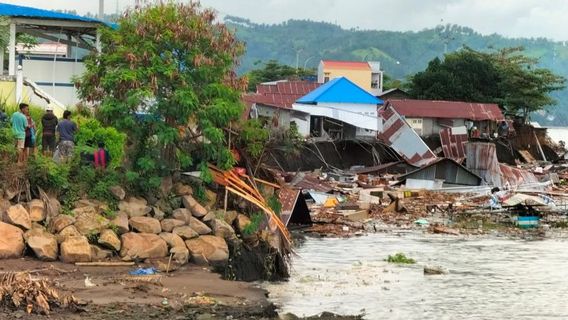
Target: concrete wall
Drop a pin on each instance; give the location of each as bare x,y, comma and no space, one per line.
432,126
283,115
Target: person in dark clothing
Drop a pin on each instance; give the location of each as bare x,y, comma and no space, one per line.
67,130
101,157
49,123
3,118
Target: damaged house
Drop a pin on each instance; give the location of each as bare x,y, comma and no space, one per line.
340,109
428,117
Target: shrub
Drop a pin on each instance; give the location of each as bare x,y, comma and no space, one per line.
91,132
400,258
255,222
45,173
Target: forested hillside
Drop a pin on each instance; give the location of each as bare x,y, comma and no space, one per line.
401,53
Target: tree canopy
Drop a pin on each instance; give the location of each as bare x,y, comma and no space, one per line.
166,77
273,71
506,77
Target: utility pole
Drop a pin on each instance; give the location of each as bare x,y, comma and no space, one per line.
101,9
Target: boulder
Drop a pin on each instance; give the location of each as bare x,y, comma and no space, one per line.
109,239
196,209
90,205
209,216
242,222
166,185
11,193
181,189
18,216
60,222
117,192
173,240
53,208
182,214
69,231
89,222
199,226
11,241
185,232
146,224
211,249
76,249
180,254
210,198
223,229
43,244
230,216
169,224
142,246
37,211
134,207
4,205
121,223
100,254
158,213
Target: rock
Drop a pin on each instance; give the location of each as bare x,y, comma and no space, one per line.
181,189
109,239
196,209
117,192
158,213
182,214
100,254
173,240
54,207
185,232
18,216
199,226
10,193
180,254
89,205
169,224
89,222
242,222
211,249
434,270
209,216
37,211
69,231
43,244
146,224
230,216
142,246
223,229
4,205
134,207
210,198
121,223
60,222
166,185
76,249
11,241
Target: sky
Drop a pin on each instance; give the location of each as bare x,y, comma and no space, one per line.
513,18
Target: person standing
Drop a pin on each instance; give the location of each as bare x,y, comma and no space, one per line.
67,130
30,141
19,126
101,157
49,123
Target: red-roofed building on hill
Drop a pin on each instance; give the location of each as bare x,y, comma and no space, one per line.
428,117
273,102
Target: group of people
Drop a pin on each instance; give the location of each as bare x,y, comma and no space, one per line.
24,130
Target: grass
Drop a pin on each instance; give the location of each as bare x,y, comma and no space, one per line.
400,258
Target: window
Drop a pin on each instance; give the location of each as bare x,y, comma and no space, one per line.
375,84
326,77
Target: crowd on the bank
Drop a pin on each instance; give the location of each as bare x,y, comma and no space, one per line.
24,130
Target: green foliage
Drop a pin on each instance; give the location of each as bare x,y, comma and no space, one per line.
274,204
255,222
506,77
92,132
400,258
174,63
45,173
93,237
7,145
273,71
253,137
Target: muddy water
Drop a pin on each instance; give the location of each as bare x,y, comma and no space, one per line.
488,278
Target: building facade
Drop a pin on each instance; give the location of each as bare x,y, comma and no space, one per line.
367,75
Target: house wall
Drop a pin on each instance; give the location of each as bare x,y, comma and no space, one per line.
302,121
432,126
362,78
283,115
370,110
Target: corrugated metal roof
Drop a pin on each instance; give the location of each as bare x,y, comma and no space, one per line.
339,90
281,94
10,10
398,135
447,109
453,144
445,169
353,65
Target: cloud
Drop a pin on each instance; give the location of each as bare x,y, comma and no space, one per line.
513,18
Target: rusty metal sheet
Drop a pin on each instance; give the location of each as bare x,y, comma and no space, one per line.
308,181
398,135
482,160
453,142
288,198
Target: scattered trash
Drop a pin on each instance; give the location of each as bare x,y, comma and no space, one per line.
89,283
421,222
143,271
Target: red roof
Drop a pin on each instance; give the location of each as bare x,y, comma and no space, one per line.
447,109
280,94
361,65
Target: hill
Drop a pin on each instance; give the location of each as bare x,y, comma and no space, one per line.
401,54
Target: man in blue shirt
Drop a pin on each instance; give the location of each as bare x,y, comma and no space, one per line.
67,130
19,127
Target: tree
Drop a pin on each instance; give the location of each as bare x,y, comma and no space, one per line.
505,77
166,77
273,71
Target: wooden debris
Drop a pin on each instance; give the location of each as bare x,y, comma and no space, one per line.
105,264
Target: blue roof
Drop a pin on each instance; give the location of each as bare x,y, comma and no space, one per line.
340,90
11,10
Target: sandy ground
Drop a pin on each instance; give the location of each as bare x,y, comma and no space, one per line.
191,292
